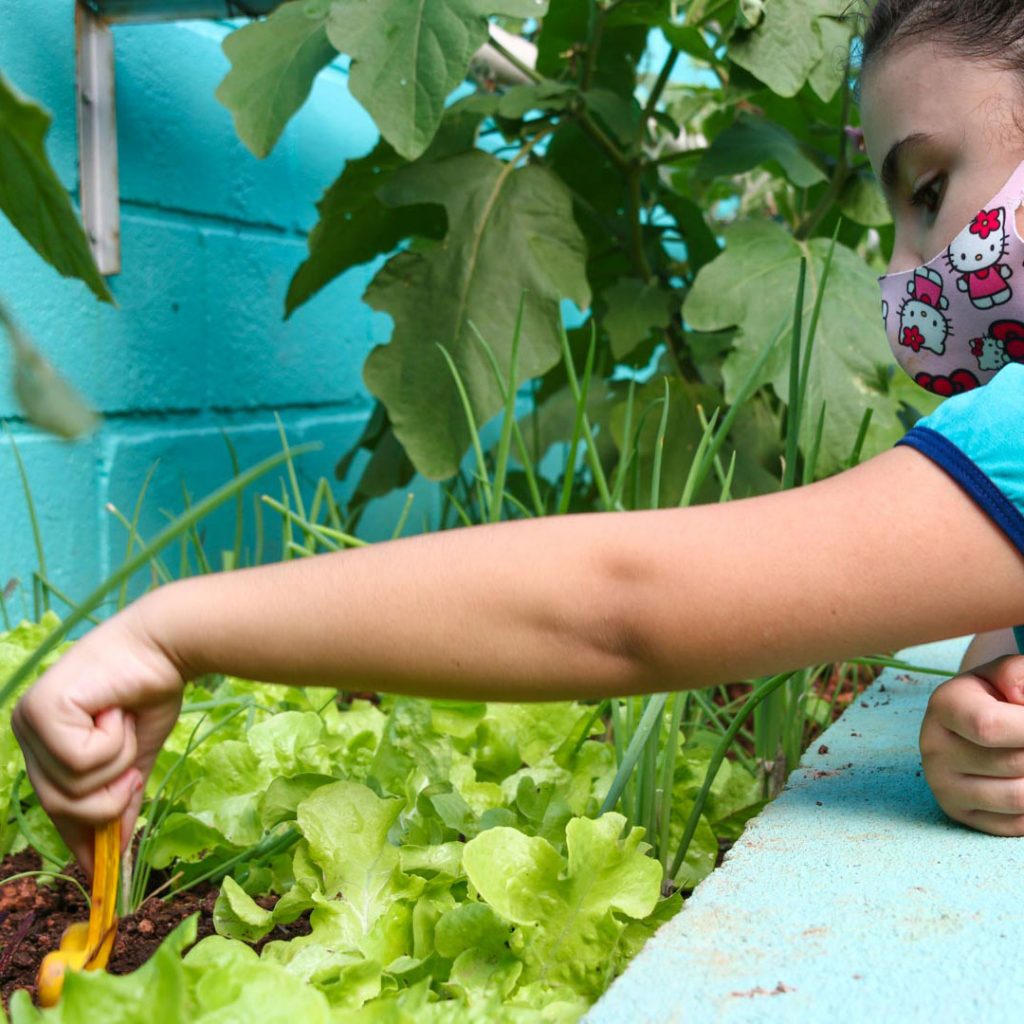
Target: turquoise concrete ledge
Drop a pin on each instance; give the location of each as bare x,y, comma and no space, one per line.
851,898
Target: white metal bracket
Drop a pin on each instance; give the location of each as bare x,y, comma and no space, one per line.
97,138
97,121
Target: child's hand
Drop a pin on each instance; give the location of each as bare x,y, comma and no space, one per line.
93,724
972,746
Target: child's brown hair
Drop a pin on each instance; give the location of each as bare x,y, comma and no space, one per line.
991,30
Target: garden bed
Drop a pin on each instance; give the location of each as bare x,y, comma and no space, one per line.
33,918
367,854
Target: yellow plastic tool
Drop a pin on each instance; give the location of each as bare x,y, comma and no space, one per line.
87,944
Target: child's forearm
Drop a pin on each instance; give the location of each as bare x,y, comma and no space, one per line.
521,611
603,604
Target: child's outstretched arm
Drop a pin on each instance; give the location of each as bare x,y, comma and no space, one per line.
576,606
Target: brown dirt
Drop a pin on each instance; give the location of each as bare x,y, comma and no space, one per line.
33,919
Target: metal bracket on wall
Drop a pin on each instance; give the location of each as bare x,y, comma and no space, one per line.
97,123
97,138
97,119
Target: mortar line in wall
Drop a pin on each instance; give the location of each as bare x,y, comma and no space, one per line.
178,214
219,415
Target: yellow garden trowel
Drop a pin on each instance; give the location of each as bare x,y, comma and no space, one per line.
87,944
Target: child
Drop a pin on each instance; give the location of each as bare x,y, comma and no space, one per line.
922,542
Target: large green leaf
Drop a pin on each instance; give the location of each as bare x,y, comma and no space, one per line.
355,226
635,308
752,286
408,55
510,230
273,64
32,196
794,42
752,141
44,396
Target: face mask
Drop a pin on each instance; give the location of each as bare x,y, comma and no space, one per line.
958,320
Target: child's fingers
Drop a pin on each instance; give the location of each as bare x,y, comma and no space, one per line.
79,785
82,749
995,824
979,794
973,708
1006,675
95,808
965,758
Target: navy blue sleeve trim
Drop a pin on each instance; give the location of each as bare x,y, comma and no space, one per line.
1018,632
972,479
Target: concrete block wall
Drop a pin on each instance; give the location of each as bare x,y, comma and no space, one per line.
197,343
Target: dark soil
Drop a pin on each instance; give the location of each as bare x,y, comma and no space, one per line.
33,919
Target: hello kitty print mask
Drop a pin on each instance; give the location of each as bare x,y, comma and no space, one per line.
958,320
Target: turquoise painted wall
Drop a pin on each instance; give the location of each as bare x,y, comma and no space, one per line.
197,344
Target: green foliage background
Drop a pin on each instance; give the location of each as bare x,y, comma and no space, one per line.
675,215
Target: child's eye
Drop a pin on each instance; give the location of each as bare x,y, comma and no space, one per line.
928,195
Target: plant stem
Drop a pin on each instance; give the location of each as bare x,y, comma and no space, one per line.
659,87
839,177
49,874
764,690
33,518
593,48
639,254
598,135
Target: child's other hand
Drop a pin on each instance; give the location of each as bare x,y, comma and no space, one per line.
92,726
972,746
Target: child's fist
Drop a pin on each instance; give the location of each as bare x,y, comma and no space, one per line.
972,746
93,724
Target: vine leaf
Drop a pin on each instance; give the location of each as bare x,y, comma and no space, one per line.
751,286
45,397
794,42
355,226
273,64
635,308
408,55
510,230
32,196
752,141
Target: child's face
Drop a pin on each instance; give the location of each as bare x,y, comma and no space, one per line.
943,135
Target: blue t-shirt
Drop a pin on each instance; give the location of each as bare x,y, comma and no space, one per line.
978,439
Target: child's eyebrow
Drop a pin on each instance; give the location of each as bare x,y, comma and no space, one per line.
891,163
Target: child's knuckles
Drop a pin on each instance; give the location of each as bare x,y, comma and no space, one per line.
945,700
1014,797
985,725
77,758
1011,764
934,736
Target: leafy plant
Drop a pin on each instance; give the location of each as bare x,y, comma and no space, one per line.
37,204
455,859
578,175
